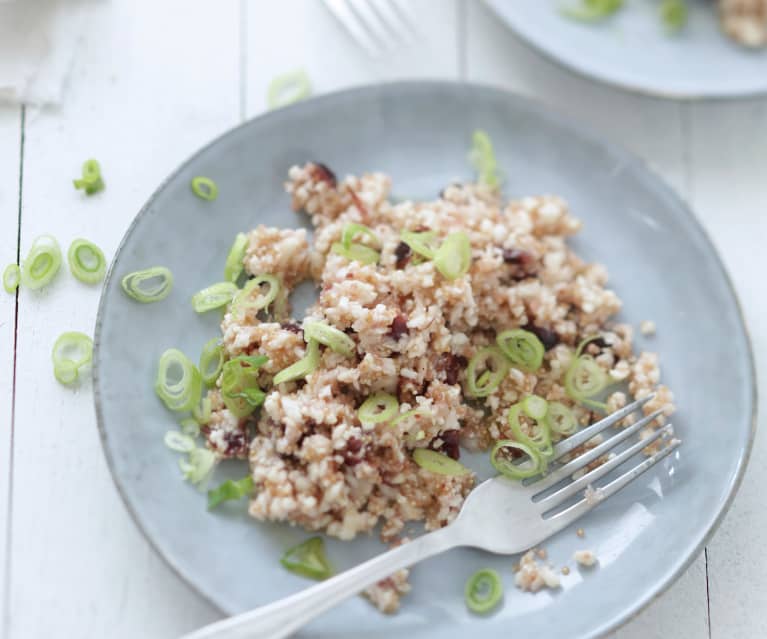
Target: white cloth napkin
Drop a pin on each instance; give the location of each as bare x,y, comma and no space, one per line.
38,44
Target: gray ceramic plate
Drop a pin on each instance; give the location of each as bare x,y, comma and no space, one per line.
632,50
661,263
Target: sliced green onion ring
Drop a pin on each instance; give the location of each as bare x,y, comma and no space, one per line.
379,407
424,243
483,591
540,435
11,278
86,261
239,384
336,340
503,463
234,267
179,442
415,412
356,252
438,463
453,257
308,560
482,157
535,406
204,188
198,466
202,412
246,302
674,14
522,347
178,383
72,351
91,181
42,263
190,427
288,88
585,378
592,10
150,285
211,361
486,371
350,230
303,367
214,296
561,419
230,490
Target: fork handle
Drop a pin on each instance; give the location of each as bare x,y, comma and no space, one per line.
279,619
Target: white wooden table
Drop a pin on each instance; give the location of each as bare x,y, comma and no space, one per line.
156,80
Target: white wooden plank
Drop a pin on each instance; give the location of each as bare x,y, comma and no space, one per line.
728,153
10,137
153,82
303,34
655,130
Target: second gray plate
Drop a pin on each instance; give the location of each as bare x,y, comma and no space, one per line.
661,264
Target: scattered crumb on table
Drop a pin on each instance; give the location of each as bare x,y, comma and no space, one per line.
647,328
585,557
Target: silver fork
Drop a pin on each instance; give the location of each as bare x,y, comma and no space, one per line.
499,515
378,26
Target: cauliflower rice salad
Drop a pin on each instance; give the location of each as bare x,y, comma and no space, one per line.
465,322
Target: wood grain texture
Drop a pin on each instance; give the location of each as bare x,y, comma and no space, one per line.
153,82
10,139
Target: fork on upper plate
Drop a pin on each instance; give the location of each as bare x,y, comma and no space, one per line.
500,515
378,26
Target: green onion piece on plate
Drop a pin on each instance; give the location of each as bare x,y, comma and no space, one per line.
438,463
239,384
303,367
453,257
204,188
560,419
379,407
522,347
538,435
214,296
486,371
592,10
356,253
502,459
178,383
71,352
198,466
148,286
352,230
202,412
234,267
179,441
211,361
86,261
42,263
673,13
252,299
11,278
288,88
335,339
308,560
482,158
535,406
91,181
190,427
585,378
423,243
230,490
483,591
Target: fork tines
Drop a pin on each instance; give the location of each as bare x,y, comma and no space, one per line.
377,26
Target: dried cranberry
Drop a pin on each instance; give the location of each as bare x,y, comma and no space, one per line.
403,254
321,173
517,256
548,338
353,445
450,446
351,454
235,443
399,327
451,365
292,327
358,203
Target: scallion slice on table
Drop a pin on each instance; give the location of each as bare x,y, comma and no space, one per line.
198,465
561,419
11,278
252,298
71,352
438,463
288,88
234,267
379,407
486,371
178,383
453,257
522,347
591,10
86,261
204,188
91,181
673,13
585,378
307,364
214,296
538,435
230,490
335,339
483,591
482,157
308,559
42,263
423,243
211,361
190,427
149,285
239,384
502,459
178,441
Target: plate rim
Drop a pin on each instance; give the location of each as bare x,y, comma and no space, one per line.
623,85
586,133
